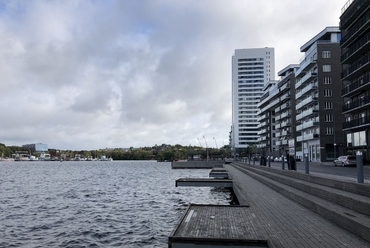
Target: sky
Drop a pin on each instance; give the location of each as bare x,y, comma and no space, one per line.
92,74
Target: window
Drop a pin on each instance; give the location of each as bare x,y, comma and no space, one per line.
328,105
328,118
329,130
326,68
327,80
326,54
328,93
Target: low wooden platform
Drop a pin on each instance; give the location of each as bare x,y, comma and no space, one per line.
219,173
216,226
204,182
194,164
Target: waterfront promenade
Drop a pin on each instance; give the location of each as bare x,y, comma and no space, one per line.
286,223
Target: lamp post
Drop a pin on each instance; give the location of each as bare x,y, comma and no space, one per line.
206,146
215,142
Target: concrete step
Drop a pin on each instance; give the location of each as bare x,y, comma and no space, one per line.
353,221
353,201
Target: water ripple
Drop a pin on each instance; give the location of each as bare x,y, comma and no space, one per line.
95,204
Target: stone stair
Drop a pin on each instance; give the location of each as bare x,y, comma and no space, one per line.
345,203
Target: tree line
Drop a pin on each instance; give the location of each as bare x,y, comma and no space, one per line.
162,152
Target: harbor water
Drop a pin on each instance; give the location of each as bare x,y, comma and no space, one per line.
95,204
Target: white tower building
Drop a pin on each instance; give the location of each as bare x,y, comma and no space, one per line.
251,70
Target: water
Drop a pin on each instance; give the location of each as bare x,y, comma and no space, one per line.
95,204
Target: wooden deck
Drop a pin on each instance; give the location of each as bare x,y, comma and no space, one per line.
204,182
216,226
219,173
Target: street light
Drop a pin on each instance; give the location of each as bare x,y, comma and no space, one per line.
199,143
215,142
206,146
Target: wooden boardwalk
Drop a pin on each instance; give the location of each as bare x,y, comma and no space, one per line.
217,226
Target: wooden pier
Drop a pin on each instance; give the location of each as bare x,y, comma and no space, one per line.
204,182
217,226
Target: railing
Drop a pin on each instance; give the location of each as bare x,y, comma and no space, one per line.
357,46
361,82
355,28
306,89
357,122
356,104
356,65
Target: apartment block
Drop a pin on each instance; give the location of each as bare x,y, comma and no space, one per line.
318,99
252,68
355,60
277,114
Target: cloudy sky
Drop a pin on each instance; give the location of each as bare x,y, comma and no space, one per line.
90,74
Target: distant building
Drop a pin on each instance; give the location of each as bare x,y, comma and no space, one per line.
251,70
38,147
355,58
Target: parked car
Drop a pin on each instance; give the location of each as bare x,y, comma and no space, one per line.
345,160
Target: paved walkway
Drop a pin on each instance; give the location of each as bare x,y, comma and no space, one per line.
285,222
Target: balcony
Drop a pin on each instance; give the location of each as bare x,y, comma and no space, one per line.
311,74
277,126
285,133
356,105
309,136
307,112
356,28
356,68
278,109
284,97
285,124
357,86
277,117
306,101
307,89
285,114
278,134
307,60
306,125
285,106
357,123
285,86
359,47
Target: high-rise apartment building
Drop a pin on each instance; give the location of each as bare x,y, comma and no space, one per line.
355,59
251,70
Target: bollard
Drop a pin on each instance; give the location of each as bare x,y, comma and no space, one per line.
254,161
269,162
360,167
282,163
306,169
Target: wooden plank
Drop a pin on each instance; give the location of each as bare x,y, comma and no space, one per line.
217,225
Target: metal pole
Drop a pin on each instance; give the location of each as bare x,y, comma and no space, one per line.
215,142
360,167
206,146
306,168
282,163
269,161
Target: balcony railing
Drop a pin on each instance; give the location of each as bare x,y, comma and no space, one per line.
356,65
309,136
356,85
307,112
308,124
305,78
363,121
357,46
306,101
362,102
306,89
363,21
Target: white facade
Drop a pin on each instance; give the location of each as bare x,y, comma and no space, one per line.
251,70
